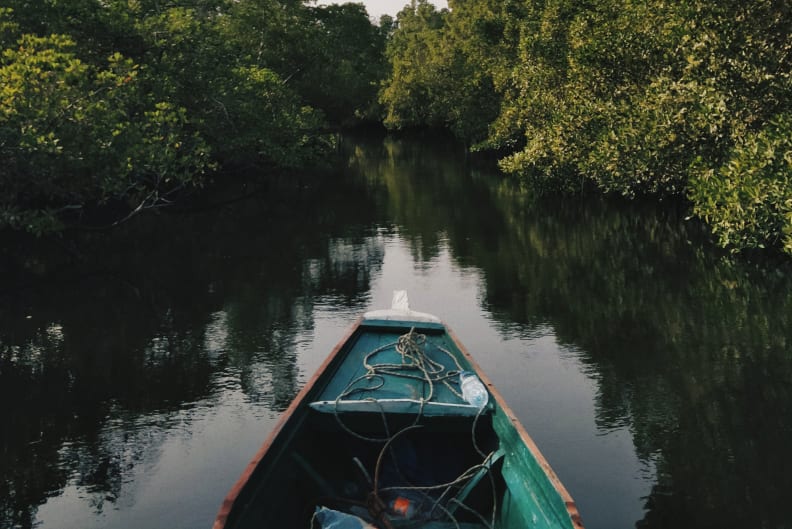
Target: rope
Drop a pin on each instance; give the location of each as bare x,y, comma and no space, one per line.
473,511
415,364
462,479
411,348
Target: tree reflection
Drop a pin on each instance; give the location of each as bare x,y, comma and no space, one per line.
690,348
99,351
428,189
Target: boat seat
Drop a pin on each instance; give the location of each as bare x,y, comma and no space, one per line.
411,524
398,406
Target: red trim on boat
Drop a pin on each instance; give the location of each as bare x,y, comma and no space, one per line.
228,502
230,499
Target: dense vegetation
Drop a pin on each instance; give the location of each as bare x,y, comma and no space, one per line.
688,98
121,104
118,105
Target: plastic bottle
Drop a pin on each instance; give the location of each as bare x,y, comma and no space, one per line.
473,391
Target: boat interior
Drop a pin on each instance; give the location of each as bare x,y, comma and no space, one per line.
385,441
426,475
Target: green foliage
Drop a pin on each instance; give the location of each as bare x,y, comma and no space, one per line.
9,30
267,120
244,111
748,199
630,98
345,65
437,78
125,102
72,134
332,56
407,93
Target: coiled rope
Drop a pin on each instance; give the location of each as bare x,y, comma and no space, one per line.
415,364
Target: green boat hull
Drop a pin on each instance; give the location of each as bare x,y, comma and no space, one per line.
372,429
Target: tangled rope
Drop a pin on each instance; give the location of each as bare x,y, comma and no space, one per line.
417,365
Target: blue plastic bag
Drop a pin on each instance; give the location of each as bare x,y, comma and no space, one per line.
330,519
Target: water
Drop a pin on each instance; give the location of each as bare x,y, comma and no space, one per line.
141,373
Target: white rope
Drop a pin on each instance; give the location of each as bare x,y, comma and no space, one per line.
411,347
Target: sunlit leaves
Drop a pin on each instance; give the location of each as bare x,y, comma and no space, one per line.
748,200
406,93
630,98
127,102
9,30
438,76
72,134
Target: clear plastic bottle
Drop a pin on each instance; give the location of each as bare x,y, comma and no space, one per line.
473,391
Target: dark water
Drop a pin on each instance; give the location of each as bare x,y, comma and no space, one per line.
139,373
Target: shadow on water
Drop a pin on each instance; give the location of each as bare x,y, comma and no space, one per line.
101,348
690,350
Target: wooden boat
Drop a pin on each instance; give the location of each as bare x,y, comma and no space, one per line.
381,435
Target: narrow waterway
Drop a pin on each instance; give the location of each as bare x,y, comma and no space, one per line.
653,371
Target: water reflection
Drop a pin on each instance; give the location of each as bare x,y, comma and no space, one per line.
98,359
654,372
690,349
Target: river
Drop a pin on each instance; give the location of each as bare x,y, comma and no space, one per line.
139,374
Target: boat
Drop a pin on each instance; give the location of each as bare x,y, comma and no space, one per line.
382,436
